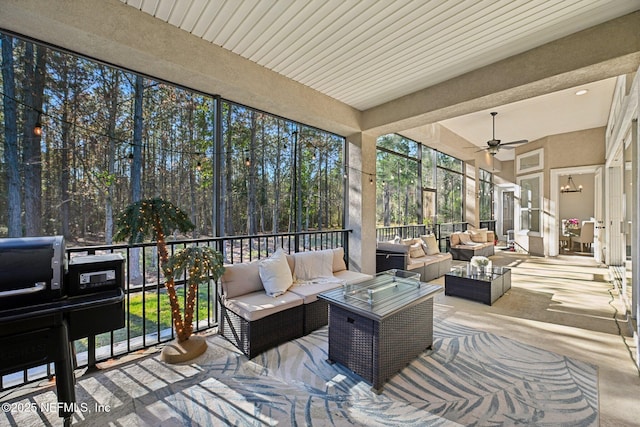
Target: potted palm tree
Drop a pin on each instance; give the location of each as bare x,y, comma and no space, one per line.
156,218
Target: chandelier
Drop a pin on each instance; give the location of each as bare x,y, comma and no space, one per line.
571,187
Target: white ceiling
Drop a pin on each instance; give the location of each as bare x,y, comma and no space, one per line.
535,118
365,53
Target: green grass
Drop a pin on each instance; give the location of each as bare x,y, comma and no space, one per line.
153,301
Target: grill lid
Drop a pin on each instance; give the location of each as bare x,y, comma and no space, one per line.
32,262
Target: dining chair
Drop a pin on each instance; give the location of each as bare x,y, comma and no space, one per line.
586,236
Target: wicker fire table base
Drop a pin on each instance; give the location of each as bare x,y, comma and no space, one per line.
376,350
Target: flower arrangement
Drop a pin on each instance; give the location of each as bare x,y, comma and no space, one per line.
573,223
480,261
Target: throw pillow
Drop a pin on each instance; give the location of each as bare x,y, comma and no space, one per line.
431,244
408,242
275,274
479,235
313,264
416,251
464,238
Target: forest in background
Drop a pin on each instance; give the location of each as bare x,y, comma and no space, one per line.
109,137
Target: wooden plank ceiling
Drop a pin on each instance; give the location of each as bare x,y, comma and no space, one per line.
368,52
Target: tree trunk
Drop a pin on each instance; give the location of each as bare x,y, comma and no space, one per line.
64,155
182,332
276,184
251,190
14,199
227,181
34,80
386,205
135,275
112,104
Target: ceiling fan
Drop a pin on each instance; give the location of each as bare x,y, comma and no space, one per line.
494,144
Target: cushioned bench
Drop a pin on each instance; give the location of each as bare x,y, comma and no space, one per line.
268,302
474,242
421,255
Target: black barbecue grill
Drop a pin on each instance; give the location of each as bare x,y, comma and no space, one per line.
46,303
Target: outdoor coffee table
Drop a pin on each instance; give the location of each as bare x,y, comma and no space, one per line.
468,282
378,326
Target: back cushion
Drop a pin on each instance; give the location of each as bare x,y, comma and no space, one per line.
338,260
464,238
313,264
431,244
478,235
416,251
455,239
241,279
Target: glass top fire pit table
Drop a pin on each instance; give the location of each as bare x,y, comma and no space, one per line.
378,326
482,286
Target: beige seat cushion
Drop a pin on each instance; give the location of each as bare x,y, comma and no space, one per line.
431,259
309,291
351,277
257,305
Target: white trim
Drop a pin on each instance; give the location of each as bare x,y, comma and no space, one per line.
540,177
554,194
530,154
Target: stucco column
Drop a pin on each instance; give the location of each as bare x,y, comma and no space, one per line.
361,202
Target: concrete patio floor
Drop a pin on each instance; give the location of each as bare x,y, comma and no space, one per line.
568,305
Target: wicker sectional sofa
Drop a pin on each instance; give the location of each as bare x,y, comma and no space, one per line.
420,255
254,321
473,242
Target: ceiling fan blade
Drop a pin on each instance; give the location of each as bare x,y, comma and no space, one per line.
522,141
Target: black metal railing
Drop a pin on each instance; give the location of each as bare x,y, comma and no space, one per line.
403,231
489,224
147,314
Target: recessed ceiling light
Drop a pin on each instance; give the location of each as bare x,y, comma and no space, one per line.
581,92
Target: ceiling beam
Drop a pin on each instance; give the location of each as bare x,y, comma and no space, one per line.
606,50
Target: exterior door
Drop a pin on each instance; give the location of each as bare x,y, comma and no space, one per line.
508,211
598,232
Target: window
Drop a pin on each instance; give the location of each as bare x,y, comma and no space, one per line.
530,202
398,182
108,133
417,184
449,178
485,195
530,161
